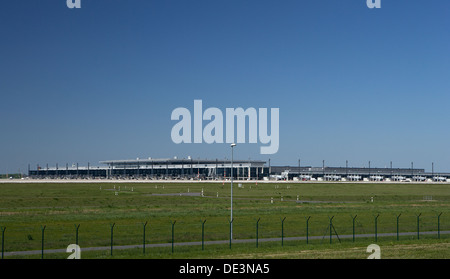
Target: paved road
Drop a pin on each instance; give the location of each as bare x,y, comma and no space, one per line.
326,237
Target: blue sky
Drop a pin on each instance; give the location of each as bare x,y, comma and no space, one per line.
100,82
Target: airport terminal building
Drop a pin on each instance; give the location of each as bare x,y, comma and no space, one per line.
210,169
220,169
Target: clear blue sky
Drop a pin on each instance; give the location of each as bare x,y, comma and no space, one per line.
100,82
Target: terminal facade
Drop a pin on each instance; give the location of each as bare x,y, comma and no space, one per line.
220,169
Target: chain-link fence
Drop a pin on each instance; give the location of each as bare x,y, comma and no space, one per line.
40,239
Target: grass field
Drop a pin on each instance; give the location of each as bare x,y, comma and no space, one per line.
25,208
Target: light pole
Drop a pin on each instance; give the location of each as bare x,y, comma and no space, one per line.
231,220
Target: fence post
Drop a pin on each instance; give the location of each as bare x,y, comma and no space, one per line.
439,226
112,232
230,221
203,234
376,221
331,225
173,225
257,223
354,227
3,240
307,228
418,237
397,225
76,233
143,237
42,247
282,231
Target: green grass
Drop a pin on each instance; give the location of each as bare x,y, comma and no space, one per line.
25,208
